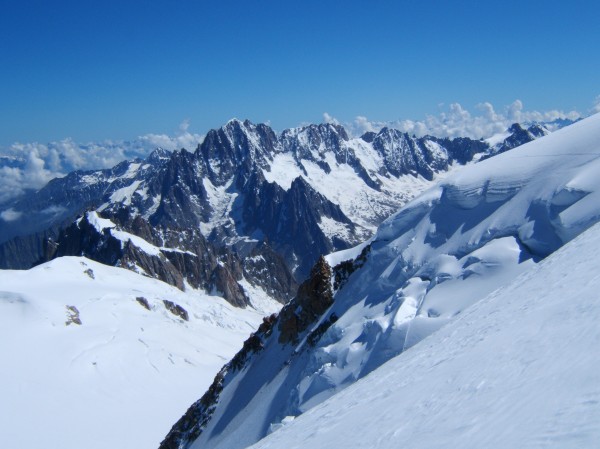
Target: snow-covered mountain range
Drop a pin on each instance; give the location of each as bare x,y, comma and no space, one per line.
106,356
254,201
445,250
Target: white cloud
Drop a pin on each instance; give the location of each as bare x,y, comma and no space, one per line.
54,210
329,119
513,111
183,139
596,107
183,126
456,121
10,215
34,164
363,125
10,183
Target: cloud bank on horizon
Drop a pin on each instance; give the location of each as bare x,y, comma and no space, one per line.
457,121
25,166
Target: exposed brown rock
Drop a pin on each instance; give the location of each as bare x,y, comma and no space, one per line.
176,309
143,302
72,316
314,297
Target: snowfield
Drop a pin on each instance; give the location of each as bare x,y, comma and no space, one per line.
121,377
519,369
363,204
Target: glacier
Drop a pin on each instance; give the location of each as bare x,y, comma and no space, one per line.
518,369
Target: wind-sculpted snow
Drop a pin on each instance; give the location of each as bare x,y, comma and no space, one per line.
450,247
518,369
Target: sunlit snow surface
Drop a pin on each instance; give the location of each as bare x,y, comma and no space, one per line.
363,204
122,377
520,369
461,240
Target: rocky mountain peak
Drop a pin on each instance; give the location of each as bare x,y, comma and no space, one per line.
519,135
237,145
314,297
406,155
537,130
369,136
516,128
158,156
312,142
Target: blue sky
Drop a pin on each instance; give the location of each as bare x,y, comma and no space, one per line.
93,70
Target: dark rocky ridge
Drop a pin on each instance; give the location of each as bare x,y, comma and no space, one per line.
518,136
185,255
312,300
191,424
314,297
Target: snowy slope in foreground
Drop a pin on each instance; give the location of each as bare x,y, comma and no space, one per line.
518,369
119,379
